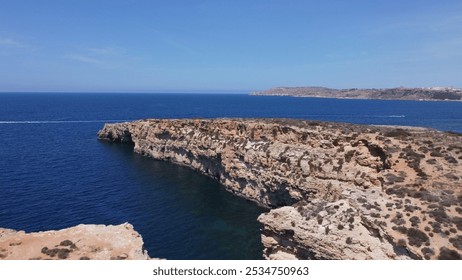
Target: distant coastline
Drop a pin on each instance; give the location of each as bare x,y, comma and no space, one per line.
401,93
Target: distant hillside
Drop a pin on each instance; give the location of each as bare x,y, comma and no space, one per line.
433,93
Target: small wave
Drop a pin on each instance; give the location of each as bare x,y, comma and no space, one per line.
51,122
386,116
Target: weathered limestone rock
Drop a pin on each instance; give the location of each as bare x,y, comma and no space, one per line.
321,230
95,242
400,187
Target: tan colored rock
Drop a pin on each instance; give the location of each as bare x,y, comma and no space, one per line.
322,230
404,185
95,242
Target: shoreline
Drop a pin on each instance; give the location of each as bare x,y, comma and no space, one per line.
357,98
401,93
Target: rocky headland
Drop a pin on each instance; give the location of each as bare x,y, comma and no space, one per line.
333,190
82,242
401,93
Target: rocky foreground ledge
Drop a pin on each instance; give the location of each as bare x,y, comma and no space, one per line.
336,191
84,242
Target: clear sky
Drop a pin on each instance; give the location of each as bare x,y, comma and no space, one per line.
234,45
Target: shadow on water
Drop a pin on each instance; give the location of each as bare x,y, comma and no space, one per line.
182,214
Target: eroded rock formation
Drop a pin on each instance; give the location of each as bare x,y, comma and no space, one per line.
336,191
84,242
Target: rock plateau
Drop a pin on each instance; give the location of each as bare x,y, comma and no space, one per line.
84,242
335,191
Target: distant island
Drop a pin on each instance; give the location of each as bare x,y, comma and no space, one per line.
401,93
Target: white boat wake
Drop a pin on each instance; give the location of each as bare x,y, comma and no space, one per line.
51,122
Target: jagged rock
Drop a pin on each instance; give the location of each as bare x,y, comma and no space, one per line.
403,185
95,242
323,230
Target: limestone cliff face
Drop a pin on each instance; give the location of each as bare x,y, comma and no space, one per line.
95,242
337,191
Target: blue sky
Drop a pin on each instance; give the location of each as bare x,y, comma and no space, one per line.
213,45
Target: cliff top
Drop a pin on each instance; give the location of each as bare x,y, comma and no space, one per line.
84,242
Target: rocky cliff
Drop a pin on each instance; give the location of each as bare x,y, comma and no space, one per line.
84,242
336,191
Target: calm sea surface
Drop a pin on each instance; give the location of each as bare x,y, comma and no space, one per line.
54,173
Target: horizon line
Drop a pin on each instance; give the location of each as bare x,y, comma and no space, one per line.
138,92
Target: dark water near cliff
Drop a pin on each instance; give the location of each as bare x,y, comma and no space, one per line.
54,173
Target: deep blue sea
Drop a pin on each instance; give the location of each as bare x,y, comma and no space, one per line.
54,173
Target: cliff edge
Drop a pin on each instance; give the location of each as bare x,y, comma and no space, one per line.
336,191
84,242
